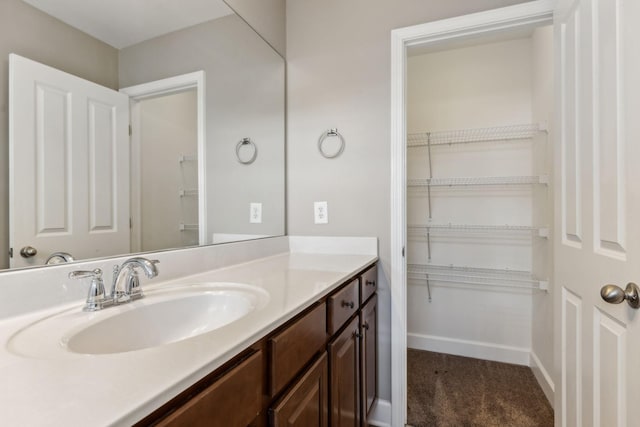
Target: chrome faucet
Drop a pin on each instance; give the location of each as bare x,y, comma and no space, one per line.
59,257
96,298
120,293
128,289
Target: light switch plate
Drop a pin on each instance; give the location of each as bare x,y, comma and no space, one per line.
320,213
255,213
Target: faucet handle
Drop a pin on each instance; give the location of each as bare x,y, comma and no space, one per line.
81,274
96,295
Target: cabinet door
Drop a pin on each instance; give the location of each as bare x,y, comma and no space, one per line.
344,373
305,405
232,401
369,357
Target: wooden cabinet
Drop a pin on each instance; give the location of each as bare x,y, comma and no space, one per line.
232,400
369,356
293,348
344,377
306,404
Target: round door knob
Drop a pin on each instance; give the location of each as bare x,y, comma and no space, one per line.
615,295
28,251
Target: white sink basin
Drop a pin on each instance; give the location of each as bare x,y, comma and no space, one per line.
163,316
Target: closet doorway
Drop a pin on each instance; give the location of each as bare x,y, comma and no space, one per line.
159,133
479,216
167,171
447,151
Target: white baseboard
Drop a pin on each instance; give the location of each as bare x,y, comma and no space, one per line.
475,349
381,415
543,377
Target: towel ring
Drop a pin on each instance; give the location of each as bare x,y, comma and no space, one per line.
330,132
249,142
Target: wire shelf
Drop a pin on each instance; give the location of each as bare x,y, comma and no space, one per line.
187,158
185,193
476,228
465,136
479,180
186,227
476,276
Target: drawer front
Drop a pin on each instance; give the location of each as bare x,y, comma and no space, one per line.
233,400
342,305
294,347
369,283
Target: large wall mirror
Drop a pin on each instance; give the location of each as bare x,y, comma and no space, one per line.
129,129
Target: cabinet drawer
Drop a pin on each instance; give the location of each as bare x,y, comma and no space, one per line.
233,400
294,347
342,305
369,283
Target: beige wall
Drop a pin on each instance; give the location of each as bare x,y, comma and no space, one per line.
338,67
267,17
30,33
245,98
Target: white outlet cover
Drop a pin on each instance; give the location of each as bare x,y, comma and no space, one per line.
255,213
320,213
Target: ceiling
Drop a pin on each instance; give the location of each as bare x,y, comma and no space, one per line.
122,23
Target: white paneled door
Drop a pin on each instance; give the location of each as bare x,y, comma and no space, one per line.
597,181
69,165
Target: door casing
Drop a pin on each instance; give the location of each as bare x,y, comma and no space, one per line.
168,86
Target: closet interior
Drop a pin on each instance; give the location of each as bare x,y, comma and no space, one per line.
479,199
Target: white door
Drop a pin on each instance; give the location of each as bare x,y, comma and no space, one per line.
69,165
597,241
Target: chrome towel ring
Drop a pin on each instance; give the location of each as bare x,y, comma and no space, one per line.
251,144
330,133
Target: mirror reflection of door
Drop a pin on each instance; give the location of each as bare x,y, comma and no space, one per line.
168,172
69,165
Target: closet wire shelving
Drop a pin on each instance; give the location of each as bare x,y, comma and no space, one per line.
466,136
187,192
477,276
473,275
478,180
423,229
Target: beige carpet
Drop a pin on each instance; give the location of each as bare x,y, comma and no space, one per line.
453,391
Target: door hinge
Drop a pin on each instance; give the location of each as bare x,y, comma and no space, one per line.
10,252
130,223
130,130
403,252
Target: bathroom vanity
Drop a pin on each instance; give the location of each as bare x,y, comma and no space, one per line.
318,366
302,353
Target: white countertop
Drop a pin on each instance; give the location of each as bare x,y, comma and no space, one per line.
122,388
